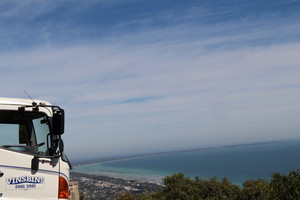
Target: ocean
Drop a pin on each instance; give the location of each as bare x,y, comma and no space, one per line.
238,163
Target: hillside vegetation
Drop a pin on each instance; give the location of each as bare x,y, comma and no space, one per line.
180,187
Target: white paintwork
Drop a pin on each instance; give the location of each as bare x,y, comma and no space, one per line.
18,180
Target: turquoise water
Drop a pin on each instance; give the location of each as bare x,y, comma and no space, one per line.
239,163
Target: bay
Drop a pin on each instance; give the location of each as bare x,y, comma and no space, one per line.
238,163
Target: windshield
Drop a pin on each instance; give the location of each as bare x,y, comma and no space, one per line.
25,131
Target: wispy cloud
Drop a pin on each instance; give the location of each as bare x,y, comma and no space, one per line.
198,82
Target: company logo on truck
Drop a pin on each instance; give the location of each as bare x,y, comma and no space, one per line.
25,182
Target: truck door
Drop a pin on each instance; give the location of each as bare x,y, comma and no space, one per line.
27,169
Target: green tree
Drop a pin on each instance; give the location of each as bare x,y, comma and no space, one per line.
130,196
255,190
180,187
127,196
285,187
215,189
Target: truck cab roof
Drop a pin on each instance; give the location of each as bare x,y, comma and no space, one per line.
19,101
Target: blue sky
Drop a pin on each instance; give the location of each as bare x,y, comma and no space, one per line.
138,76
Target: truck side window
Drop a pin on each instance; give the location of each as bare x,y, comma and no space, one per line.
12,139
42,134
9,134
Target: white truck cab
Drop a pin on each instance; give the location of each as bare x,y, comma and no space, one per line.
32,160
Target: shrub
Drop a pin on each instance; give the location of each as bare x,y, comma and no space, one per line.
285,187
255,190
180,187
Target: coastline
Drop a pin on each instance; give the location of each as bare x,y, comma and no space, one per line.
137,175
121,158
236,162
103,177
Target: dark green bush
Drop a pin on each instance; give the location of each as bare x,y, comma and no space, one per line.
255,190
285,187
180,187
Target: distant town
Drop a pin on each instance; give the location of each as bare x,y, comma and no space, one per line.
94,187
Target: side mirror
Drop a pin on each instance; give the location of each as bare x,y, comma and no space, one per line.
58,122
23,134
35,164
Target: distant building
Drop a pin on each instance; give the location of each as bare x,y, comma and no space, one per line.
74,191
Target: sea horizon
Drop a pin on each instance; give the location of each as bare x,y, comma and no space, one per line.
82,161
220,161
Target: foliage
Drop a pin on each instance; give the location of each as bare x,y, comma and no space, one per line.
130,196
81,197
286,187
255,190
180,187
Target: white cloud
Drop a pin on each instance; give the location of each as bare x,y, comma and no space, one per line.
180,82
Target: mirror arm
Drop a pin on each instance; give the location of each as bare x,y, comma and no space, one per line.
35,161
